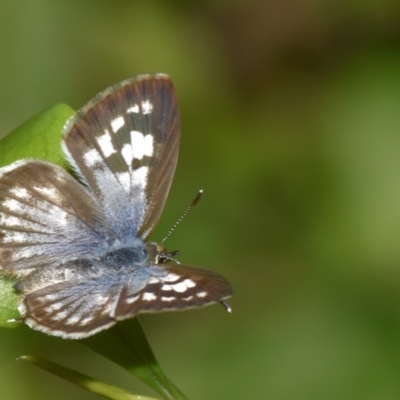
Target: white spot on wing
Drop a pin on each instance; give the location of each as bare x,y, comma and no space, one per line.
147,107
168,299
189,283
22,309
126,152
134,109
48,297
171,278
179,287
12,205
49,192
85,321
54,307
21,193
105,143
72,320
92,157
149,296
131,300
16,237
202,294
60,316
117,124
9,220
142,145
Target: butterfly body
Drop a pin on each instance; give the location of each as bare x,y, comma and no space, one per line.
80,250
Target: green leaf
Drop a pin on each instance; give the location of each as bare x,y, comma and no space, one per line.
126,344
8,303
84,381
39,137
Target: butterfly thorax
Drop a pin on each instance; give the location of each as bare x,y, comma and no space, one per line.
136,254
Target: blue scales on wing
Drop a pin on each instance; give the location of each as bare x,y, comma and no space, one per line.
46,216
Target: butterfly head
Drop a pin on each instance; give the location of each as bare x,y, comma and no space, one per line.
158,254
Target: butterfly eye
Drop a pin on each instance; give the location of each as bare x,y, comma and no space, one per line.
166,256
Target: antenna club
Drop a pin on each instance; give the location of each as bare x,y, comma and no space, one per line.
197,198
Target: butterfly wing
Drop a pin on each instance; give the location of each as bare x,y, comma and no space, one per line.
173,287
124,145
46,216
61,310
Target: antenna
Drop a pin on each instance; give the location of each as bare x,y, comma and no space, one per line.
194,202
226,306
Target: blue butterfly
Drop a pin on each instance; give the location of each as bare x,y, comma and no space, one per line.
80,250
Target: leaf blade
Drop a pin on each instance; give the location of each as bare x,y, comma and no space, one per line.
40,137
84,381
126,345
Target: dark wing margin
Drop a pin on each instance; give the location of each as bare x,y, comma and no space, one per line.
46,216
124,145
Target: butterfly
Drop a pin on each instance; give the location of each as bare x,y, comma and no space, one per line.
80,249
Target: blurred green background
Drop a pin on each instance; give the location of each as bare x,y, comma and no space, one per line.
291,124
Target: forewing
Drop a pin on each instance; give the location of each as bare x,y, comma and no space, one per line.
45,216
124,145
60,309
